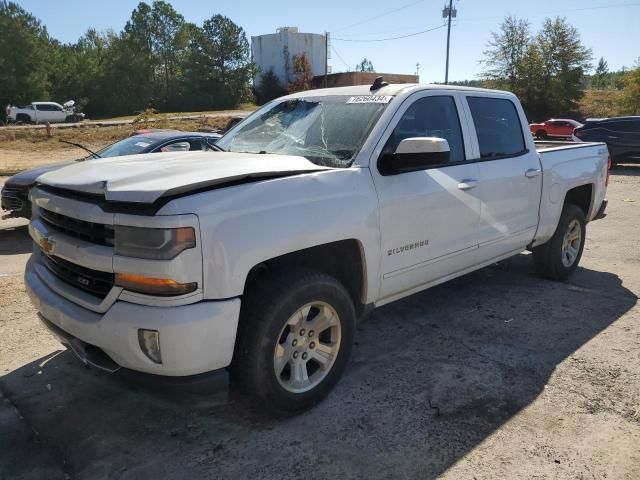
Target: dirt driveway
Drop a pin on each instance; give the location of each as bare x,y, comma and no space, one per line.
498,374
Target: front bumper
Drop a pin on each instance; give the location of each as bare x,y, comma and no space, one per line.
194,338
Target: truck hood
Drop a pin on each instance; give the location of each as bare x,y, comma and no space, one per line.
146,178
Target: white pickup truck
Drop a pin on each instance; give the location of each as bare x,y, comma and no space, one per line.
43,112
318,207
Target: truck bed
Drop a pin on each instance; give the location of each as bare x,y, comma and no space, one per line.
544,145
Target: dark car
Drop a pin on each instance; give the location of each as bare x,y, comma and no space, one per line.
15,193
621,134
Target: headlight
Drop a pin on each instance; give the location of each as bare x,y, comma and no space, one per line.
153,243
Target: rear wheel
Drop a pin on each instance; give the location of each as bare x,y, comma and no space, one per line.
541,135
23,118
559,257
295,341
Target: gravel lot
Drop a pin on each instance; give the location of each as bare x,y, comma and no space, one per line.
498,374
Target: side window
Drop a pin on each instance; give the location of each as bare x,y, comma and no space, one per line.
629,126
497,126
42,108
197,144
430,117
177,146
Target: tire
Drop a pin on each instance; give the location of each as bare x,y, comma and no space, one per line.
23,118
541,135
559,257
269,352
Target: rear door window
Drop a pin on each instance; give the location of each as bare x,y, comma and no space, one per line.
498,127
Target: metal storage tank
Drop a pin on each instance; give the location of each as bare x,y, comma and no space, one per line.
276,51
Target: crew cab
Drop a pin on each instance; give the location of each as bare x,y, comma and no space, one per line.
43,112
319,207
554,127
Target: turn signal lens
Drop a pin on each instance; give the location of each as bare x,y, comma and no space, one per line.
153,286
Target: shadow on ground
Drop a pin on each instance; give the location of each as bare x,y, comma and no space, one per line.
15,240
431,377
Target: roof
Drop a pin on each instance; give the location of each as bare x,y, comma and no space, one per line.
391,89
171,134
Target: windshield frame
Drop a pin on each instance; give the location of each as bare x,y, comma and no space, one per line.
339,99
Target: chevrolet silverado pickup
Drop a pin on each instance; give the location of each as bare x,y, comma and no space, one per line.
320,206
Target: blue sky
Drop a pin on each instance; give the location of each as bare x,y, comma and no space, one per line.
610,28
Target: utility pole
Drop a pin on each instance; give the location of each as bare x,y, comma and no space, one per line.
447,13
418,70
326,57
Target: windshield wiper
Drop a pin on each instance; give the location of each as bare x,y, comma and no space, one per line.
95,155
213,146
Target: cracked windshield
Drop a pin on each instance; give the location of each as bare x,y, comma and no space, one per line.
328,131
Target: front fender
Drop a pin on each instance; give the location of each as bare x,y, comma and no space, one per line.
245,225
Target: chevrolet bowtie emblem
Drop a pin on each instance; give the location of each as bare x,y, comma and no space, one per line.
46,245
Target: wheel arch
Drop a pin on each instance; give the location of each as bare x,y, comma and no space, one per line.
581,196
344,260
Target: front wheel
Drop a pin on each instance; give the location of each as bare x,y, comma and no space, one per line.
295,340
559,257
541,135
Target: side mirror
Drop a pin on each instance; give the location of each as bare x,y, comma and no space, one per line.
413,154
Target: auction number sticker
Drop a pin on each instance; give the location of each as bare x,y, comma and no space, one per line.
370,99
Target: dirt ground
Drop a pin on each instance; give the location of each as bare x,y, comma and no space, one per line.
496,375
23,148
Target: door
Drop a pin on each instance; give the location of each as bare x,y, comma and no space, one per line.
510,177
46,112
564,129
428,218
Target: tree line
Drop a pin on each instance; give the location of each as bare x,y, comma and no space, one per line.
158,61
549,71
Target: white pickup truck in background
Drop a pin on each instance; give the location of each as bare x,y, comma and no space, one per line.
318,207
43,112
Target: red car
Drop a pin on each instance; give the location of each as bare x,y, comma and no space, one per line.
555,127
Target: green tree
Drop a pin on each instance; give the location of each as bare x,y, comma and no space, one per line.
506,54
169,36
599,80
220,55
565,62
365,66
630,100
269,87
547,71
24,56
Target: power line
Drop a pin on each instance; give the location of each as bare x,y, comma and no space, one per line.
551,12
390,38
379,16
340,57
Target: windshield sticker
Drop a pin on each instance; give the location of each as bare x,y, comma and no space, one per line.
370,99
142,144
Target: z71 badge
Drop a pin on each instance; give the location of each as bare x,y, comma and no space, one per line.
407,248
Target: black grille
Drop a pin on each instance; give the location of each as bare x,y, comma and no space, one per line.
11,198
89,231
92,281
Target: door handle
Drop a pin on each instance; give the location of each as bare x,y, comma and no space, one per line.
467,184
532,173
